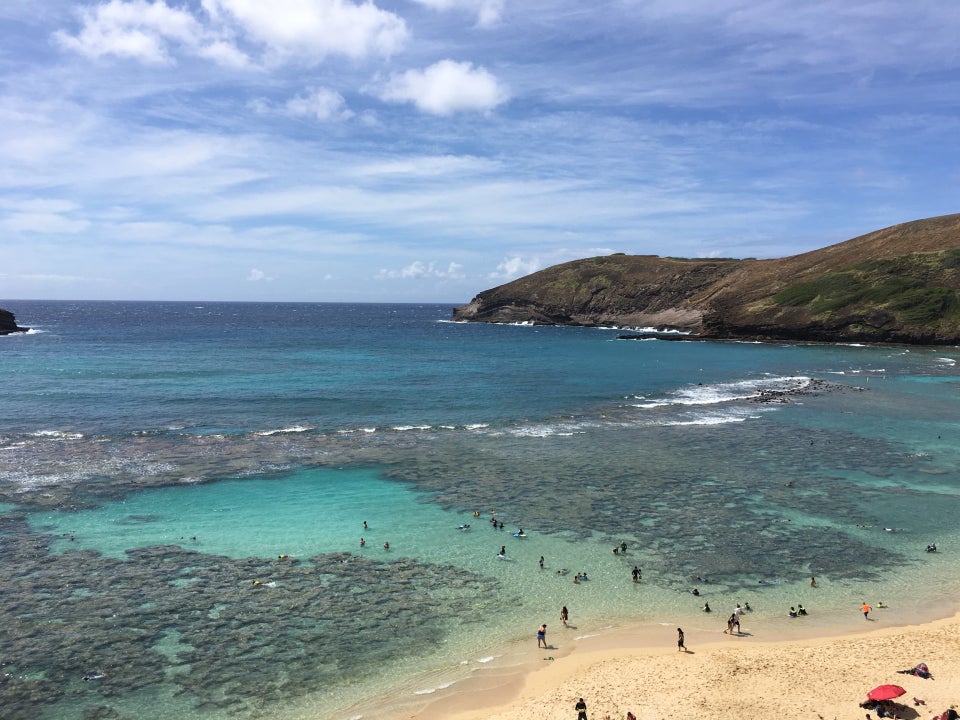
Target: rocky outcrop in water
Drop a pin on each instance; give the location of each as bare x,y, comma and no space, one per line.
900,284
8,323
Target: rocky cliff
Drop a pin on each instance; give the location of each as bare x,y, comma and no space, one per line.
8,323
899,284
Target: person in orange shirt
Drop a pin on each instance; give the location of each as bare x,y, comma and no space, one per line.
866,611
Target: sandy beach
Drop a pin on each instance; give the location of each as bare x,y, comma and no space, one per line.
738,677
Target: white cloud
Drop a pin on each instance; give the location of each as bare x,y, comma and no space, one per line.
39,222
446,87
488,12
225,54
320,103
514,267
303,30
137,29
258,276
310,30
418,269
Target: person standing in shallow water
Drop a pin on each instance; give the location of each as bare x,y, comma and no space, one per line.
564,615
866,611
542,636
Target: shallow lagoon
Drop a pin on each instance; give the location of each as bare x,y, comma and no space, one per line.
740,463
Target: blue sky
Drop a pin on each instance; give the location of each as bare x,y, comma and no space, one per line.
425,150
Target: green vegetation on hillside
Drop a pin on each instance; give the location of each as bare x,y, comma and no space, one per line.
915,288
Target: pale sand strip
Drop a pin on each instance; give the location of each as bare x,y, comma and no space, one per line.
823,677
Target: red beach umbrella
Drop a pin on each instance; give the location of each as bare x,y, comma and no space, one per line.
886,692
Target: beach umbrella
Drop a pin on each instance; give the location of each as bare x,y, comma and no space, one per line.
886,692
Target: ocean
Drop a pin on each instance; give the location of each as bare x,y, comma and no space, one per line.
184,488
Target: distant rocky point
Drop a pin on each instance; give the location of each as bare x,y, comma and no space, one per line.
8,323
897,285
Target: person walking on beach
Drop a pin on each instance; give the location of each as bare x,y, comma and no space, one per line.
581,708
866,611
542,636
564,615
680,646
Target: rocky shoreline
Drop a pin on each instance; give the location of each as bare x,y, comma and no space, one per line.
8,323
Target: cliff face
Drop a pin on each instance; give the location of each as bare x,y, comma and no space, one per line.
8,323
900,284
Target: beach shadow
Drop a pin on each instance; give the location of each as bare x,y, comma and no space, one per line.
744,634
568,626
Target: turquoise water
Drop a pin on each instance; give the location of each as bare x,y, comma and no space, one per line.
183,489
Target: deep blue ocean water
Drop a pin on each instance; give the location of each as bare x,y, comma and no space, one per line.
184,487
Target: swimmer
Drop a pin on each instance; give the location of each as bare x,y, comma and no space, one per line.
706,607
91,676
562,571
386,546
695,591
282,557
362,542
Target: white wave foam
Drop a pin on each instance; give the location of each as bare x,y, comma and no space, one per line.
430,691
658,331
281,431
709,419
477,426
727,392
946,361
61,434
563,429
407,428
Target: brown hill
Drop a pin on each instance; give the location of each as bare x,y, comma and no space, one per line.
899,284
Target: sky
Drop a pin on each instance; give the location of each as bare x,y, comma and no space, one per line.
426,150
